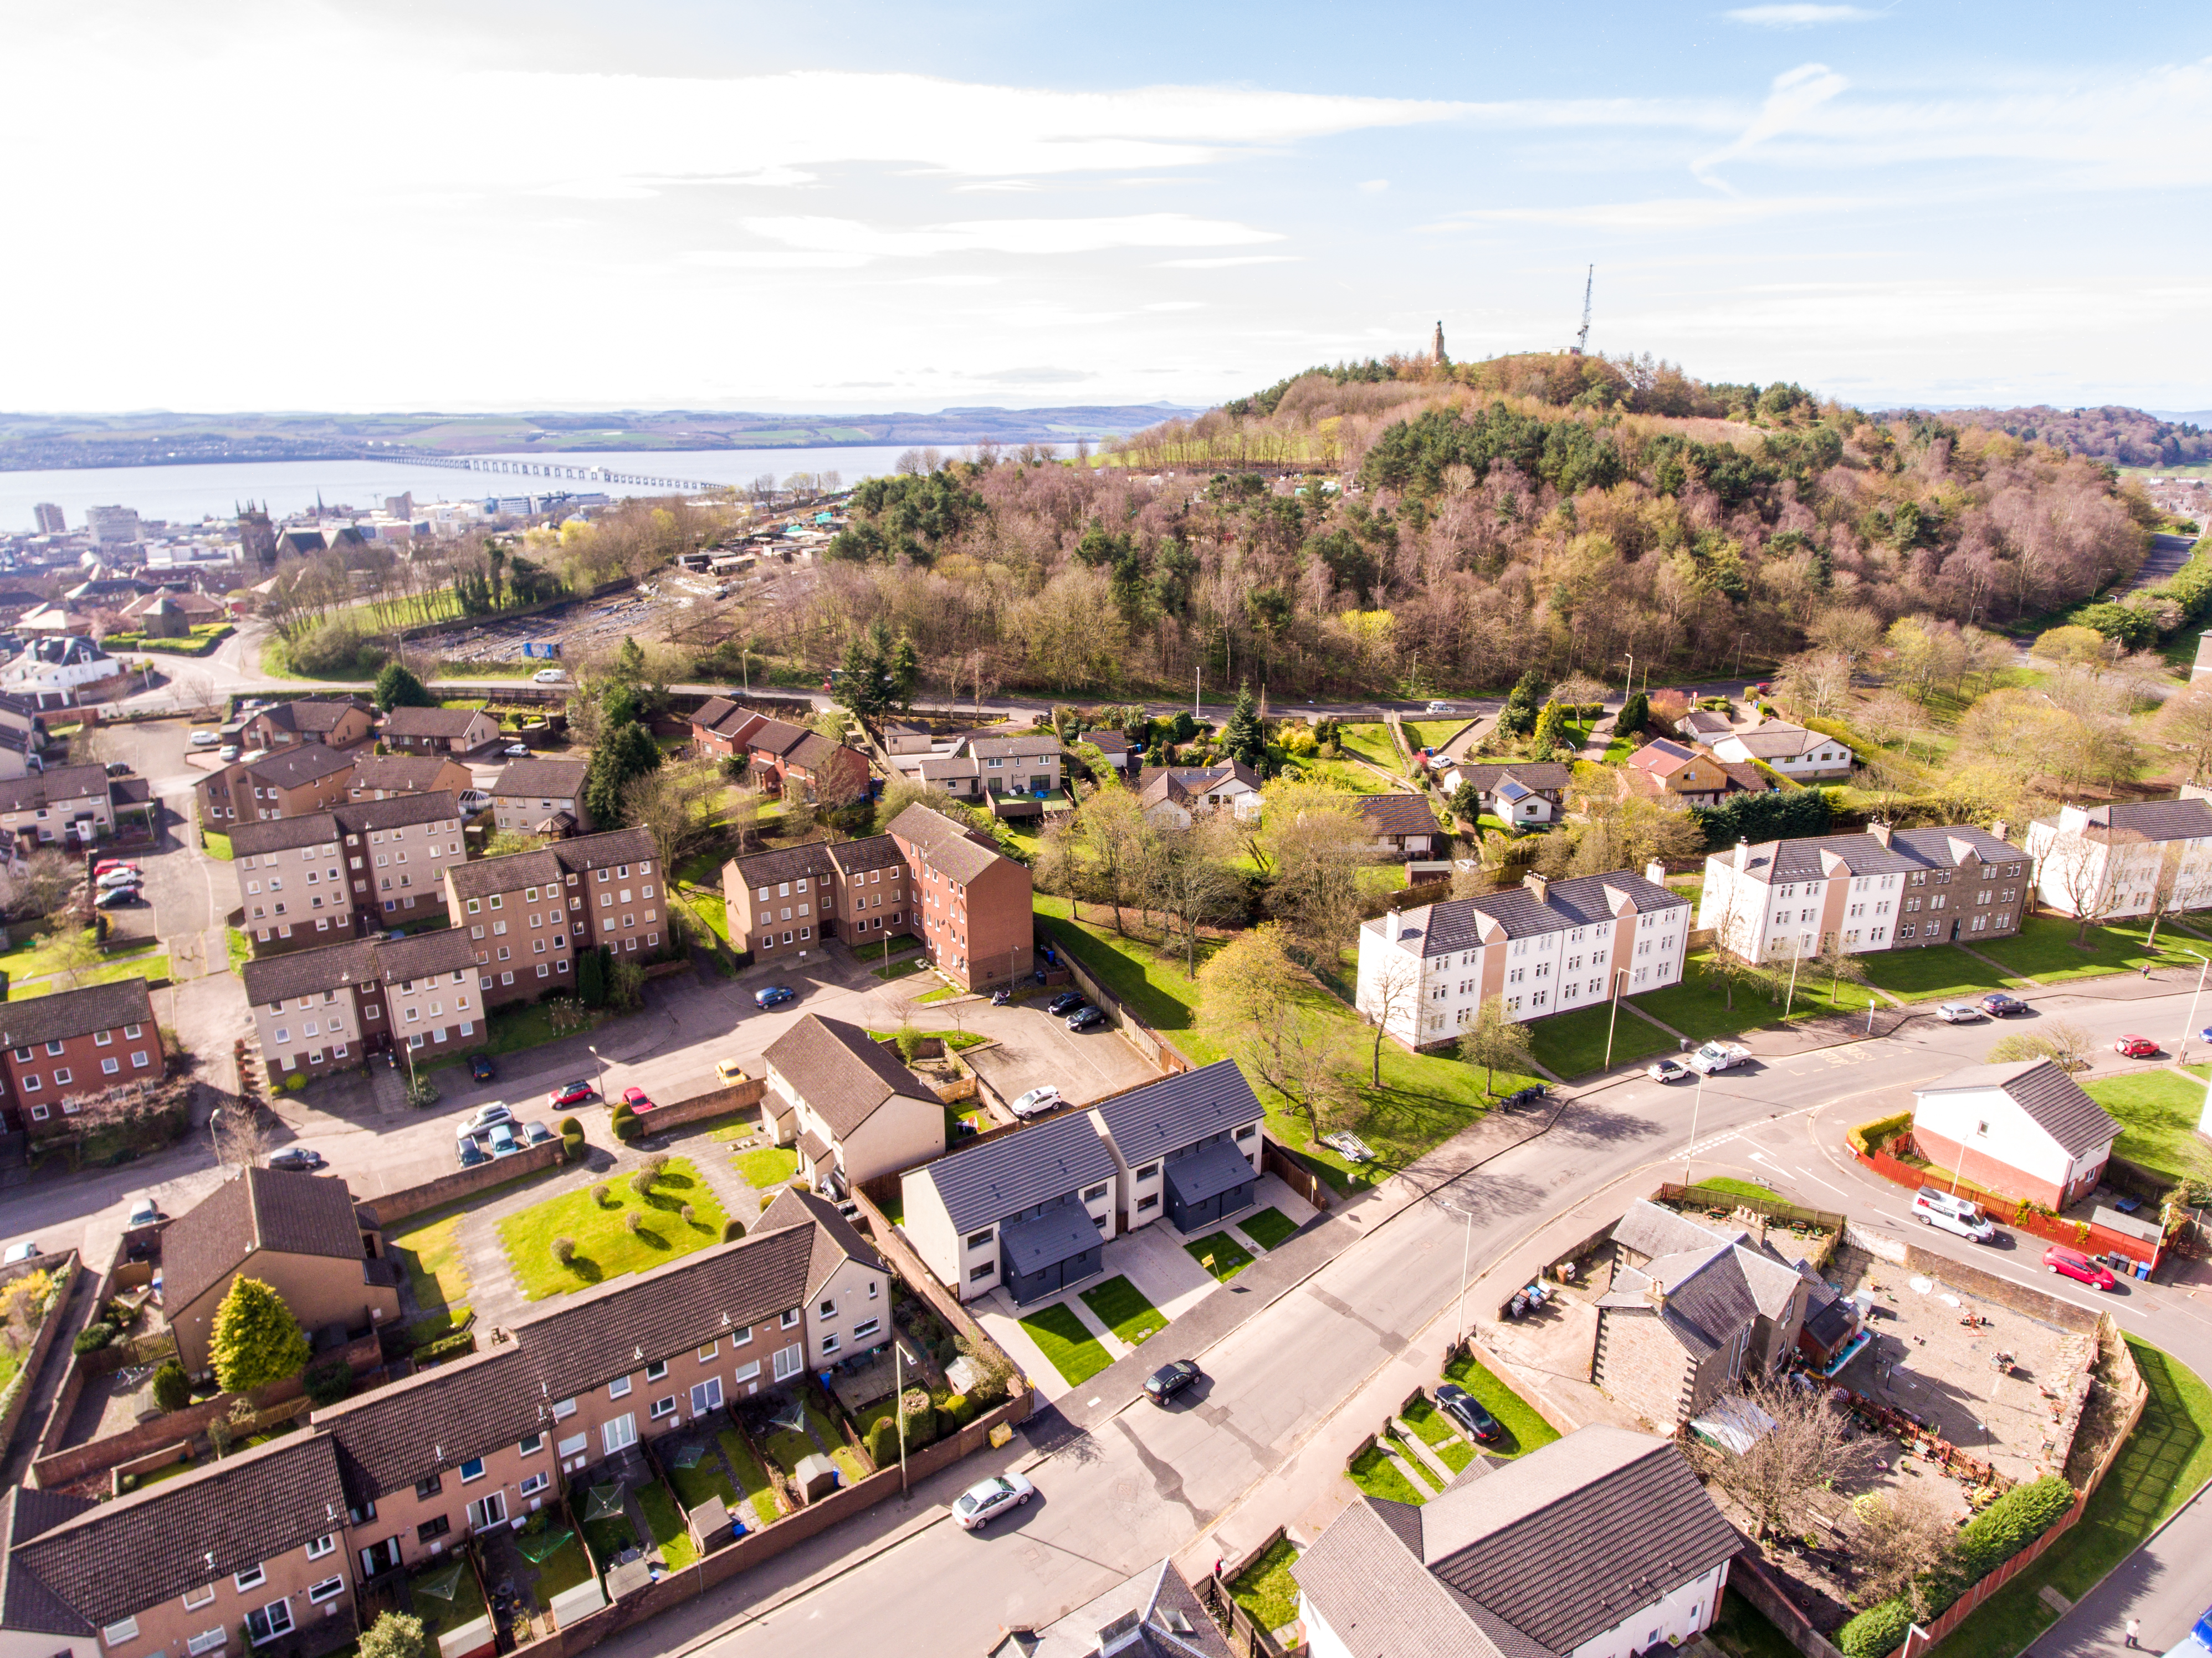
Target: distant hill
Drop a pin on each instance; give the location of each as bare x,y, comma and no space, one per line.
161,438
2125,437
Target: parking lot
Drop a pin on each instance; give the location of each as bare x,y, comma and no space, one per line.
1031,1047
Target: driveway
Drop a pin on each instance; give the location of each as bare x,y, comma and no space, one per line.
1035,1048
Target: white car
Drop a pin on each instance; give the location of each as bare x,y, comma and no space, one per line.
1034,1103
1718,1056
143,1213
484,1116
551,676
204,739
517,750
982,1503
1666,1070
1958,1013
1440,707
1934,1207
25,1250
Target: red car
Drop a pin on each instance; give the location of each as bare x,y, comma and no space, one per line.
637,1099
2135,1047
569,1094
106,865
2072,1263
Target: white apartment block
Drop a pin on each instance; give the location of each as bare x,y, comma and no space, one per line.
2116,861
1884,890
1550,947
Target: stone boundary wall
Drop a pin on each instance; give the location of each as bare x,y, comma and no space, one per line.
27,1377
699,1108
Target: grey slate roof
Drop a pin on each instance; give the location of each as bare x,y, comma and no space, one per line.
1209,1172
1030,745
280,1210
1061,1233
2052,1099
1164,1117
1940,847
1395,814
1366,1579
55,783
440,950
1652,1229
835,1243
869,851
1156,1611
1778,739
1001,1177
2187,819
353,817
76,1013
842,1073
271,979
315,714
944,846
550,780
1456,923
431,722
777,737
808,861
481,876
1545,776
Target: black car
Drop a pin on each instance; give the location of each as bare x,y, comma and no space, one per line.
1170,1380
297,1156
1067,1002
1464,1408
119,768
480,1067
1999,1006
1085,1018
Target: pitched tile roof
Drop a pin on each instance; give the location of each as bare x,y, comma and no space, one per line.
1543,776
349,817
1652,1229
293,768
1017,1171
2053,1100
1778,739
440,949
1185,783
401,773
809,861
1456,924
542,778
841,1071
835,1243
943,845
1165,1116
777,737
315,714
430,722
68,1013
2185,819
1363,1577
481,876
715,710
280,1210
1156,1611
55,784
869,851
124,1557
1808,857
1028,745
271,979
1661,757
1395,814
26,1603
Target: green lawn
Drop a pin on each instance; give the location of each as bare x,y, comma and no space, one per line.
942,993
1618,750
2158,1112
1123,1308
215,845
956,1040
767,1167
899,969
1525,1430
511,1029
704,1480
561,1570
1433,733
1699,1007
1573,1044
1940,973
436,1273
2165,1460
605,1247
32,958
1353,779
1373,1472
1423,1099
439,1614
706,904
879,950
144,965
2044,950
1062,1337
1426,1478
750,1476
1372,743
1438,1434
1269,1228
666,1523
1743,1189
1229,1256
1266,1589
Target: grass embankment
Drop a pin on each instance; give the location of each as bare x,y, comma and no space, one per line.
1372,743
2045,951
605,1245
1525,1430
2158,1112
437,1275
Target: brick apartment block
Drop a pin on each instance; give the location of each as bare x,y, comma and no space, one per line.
42,806
63,1049
287,783
318,1011
529,914
360,866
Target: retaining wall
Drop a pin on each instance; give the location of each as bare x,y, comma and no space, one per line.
389,1207
717,1102
27,1377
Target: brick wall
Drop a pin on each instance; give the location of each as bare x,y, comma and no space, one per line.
27,1377
1637,1361
389,1207
717,1102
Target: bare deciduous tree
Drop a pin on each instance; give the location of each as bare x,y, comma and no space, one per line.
1810,1448
1391,991
1254,991
2077,866
2065,1044
1899,1536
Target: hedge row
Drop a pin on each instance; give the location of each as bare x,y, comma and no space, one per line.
1868,1135
1986,1542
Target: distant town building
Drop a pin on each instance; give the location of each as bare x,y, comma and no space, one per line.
51,522
111,526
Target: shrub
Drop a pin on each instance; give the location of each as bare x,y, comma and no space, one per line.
564,1250
2011,1523
1877,1630
959,1409
295,1082
690,1217
909,1042
640,1180
92,1337
328,1383
732,1230
624,1121
632,1220
452,1347
173,1388
396,1635
1869,1135
599,1194
882,1440
657,1164
572,1139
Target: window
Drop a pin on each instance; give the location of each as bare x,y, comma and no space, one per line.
1094,1193
663,1407
1152,1202
195,1598
534,1483
206,1640
489,1510
431,1530
866,1327
563,1409
989,1267
619,1388
829,1346
265,1623
251,1578
790,1320
707,1352
789,1363
329,1589
656,1370
322,1546
977,1240
116,1634
531,1446
707,1395
829,1308
1150,1171
472,1469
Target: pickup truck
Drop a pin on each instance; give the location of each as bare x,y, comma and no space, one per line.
1718,1056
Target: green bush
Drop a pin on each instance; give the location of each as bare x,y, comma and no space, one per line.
328,1383
92,1337
2011,1523
732,1229
959,1410
624,1121
452,1347
572,1138
920,1426
1868,1135
909,1042
1877,1630
882,1440
173,1388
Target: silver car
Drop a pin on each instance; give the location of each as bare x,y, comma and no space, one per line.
981,1503
1958,1013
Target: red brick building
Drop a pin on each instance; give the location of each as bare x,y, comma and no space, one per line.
63,1051
529,915
287,783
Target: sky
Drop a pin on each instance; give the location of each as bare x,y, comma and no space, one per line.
481,204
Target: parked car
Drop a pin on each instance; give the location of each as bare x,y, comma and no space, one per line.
1349,1146
1934,1207
1441,707
120,878
1164,1383
1958,1013
485,1115
637,1099
503,1141
1067,1002
117,897
569,1094
144,1212
119,768
1718,1056
204,739
2072,1263
1464,1408
25,1250
1998,1005
107,863
536,1134
297,1156
470,1153
551,676
228,751
1038,1101
984,1502
480,1067
729,1071
1085,1018
517,750
773,995
1666,1070
2135,1047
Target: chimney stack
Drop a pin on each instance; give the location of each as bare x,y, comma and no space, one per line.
1742,853
1879,831
1538,884
1999,828
1656,873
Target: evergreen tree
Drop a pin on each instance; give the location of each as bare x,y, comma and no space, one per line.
1518,717
1635,715
1551,731
257,1339
629,662
860,686
591,979
1243,739
397,687
1467,803
905,669
625,752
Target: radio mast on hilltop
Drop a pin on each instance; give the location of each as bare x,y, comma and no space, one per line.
1582,338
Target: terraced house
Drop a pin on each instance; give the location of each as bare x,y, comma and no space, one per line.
63,803
370,863
527,915
382,776
65,1051
263,787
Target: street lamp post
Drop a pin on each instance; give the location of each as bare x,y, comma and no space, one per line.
2181,1047
1465,1254
1620,976
599,1071
1695,1106
215,1137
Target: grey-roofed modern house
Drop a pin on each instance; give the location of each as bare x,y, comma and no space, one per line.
854,1107
1601,1545
1187,1147
2024,1130
1030,1211
1151,1613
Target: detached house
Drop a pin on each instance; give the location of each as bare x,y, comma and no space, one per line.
2025,1130
1790,750
345,723
1031,1212
1521,792
1402,825
854,1109
1177,794
438,730
1674,775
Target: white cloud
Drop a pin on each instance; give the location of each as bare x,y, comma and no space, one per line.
1175,305
1031,236
1375,186
1663,213
776,259
1797,94
1800,16
1225,263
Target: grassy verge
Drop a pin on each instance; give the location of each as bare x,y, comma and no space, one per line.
767,1167
1939,973
1123,1308
605,1247
1269,1228
900,969
882,950
436,1275
2167,1457
1062,1337
2158,1112
1266,1589
1220,1254
1373,1472
713,914
215,845
1525,1430
141,966
2045,951
1574,1044
1424,1419
1743,1189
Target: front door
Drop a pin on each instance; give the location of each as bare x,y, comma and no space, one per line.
380,1557
620,1434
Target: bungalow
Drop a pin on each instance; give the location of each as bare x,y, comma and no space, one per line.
388,776
1402,824
1030,1212
1115,749
344,723
438,730
1176,793
1674,775
1520,792
2025,1130
854,1109
1790,750
1192,1139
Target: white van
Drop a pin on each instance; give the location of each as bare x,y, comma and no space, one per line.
1932,1207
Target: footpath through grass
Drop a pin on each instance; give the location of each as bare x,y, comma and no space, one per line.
1525,1430
2167,1457
2158,1112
